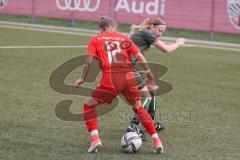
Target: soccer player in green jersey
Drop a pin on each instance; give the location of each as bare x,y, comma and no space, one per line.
145,35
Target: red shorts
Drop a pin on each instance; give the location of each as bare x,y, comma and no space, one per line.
114,84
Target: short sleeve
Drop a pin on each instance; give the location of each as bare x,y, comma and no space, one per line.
92,50
149,37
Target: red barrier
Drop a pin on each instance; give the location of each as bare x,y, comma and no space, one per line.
205,15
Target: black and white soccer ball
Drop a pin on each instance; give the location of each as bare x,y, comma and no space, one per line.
131,142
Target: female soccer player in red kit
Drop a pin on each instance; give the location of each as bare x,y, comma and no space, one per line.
113,51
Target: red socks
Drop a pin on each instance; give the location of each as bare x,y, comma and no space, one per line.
91,122
94,137
145,119
90,118
147,123
156,140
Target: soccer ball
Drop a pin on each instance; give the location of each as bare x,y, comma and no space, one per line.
131,142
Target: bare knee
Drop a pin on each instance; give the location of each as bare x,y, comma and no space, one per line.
149,99
137,105
90,101
145,93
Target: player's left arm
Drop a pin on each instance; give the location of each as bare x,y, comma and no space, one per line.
143,63
92,52
85,69
141,60
167,48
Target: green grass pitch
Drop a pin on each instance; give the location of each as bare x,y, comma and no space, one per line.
202,112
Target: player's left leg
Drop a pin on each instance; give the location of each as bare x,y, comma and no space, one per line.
147,90
132,95
152,111
148,124
146,99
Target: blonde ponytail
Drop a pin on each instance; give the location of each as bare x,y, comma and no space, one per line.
147,24
144,24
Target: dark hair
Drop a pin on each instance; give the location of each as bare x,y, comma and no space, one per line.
106,23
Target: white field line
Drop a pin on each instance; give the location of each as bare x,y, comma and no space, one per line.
84,46
212,47
80,32
204,42
40,47
217,47
49,30
48,27
189,45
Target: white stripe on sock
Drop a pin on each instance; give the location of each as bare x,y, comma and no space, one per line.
155,135
94,132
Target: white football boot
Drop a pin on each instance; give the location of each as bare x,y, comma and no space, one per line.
95,146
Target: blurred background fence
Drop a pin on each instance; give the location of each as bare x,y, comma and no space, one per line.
222,16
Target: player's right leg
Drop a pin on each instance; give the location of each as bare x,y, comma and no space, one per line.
91,121
100,95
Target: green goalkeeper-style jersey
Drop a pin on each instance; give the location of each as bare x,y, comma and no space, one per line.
143,39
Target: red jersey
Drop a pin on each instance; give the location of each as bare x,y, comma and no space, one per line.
113,50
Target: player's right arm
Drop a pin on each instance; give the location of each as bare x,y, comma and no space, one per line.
166,48
92,52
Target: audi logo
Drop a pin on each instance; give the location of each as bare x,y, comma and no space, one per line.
78,5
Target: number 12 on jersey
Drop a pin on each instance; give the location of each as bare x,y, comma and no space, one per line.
113,48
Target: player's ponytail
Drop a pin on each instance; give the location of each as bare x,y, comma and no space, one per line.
106,23
147,23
